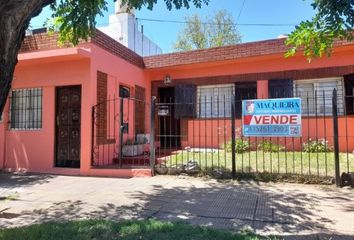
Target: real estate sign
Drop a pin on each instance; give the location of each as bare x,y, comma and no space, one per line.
272,117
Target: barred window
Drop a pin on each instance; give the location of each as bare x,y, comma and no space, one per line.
349,93
316,95
26,109
214,101
280,88
244,91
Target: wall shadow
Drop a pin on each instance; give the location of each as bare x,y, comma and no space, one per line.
14,180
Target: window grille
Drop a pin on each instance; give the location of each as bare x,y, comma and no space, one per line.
26,109
316,95
214,101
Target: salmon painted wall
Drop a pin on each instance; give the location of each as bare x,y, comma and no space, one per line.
3,125
214,133
33,150
119,73
209,132
2,144
270,63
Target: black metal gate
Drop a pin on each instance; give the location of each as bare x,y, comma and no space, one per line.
119,136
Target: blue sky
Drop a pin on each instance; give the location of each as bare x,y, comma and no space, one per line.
254,11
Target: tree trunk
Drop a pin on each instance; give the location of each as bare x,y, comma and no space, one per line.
15,16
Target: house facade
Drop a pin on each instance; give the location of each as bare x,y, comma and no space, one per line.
71,109
259,70
47,123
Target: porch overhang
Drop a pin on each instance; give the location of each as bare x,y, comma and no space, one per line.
54,55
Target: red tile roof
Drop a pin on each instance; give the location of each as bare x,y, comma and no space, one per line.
43,41
232,52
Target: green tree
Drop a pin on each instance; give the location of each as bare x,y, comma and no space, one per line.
219,30
75,20
333,20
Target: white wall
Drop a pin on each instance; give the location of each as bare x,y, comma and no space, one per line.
124,28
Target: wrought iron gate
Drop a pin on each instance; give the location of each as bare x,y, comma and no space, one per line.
118,130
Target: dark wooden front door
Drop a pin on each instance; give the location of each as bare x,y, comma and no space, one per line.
170,127
68,126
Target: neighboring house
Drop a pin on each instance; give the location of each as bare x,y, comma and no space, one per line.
124,28
64,112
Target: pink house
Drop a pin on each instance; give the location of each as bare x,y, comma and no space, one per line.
62,116
53,94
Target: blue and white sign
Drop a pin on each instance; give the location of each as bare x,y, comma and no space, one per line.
272,117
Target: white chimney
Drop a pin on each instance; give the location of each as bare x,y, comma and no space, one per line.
123,27
122,9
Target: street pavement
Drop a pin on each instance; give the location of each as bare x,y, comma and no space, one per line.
295,211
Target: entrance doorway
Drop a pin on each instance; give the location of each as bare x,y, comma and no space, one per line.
170,127
68,126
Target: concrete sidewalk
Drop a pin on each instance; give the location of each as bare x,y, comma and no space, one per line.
292,210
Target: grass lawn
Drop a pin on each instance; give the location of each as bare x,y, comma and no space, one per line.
104,229
321,164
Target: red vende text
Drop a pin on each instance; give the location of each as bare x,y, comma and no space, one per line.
278,119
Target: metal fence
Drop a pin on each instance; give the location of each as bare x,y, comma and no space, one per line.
205,135
118,134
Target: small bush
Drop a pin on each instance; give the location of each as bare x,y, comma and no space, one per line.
240,146
315,146
268,146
